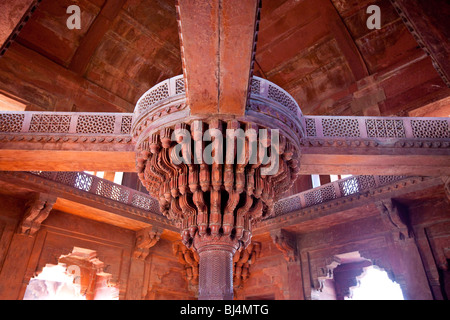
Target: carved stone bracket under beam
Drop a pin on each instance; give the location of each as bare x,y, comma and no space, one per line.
145,239
37,210
395,218
286,243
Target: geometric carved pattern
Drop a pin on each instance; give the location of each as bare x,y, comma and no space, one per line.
388,179
356,184
255,86
50,123
282,98
83,181
11,122
111,191
95,124
340,128
145,202
311,127
158,94
68,178
287,205
430,129
380,128
179,86
125,127
320,195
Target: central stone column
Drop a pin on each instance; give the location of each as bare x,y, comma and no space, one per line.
217,147
216,267
216,192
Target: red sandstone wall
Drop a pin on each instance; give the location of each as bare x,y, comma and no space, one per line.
21,256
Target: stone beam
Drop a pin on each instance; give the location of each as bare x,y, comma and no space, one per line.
344,39
217,44
14,14
428,23
66,142
37,141
96,32
90,197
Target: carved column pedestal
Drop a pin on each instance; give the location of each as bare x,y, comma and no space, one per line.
216,267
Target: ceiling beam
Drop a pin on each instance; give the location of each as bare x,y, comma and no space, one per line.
14,15
429,31
217,44
344,39
45,85
91,40
337,158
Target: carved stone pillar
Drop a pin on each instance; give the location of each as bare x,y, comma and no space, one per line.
217,147
216,267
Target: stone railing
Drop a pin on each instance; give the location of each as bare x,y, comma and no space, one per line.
376,127
162,98
65,123
103,188
330,191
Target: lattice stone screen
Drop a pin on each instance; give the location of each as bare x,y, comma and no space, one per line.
10,122
334,190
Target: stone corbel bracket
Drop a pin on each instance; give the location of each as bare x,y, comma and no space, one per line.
286,243
395,218
37,210
189,258
145,239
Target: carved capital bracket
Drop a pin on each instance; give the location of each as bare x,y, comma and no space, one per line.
286,243
145,239
242,261
37,210
189,258
395,218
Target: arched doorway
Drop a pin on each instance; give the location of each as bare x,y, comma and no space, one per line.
77,276
352,277
374,284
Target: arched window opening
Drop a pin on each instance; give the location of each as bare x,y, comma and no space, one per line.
374,284
77,276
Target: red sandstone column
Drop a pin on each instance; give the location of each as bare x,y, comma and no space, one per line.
215,268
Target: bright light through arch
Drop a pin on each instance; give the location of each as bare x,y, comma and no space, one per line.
375,284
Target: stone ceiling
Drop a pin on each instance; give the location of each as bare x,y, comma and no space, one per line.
321,52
